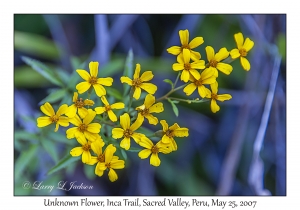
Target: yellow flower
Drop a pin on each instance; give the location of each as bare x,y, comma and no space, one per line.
85,127
128,131
53,117
140,82
110,162
207,77
186,67
213,94
108,108
184,39
92,80
214,60
149,107
170,132
242,50
78,105
85,148
153,150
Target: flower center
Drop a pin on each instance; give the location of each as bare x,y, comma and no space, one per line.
214,96
101,158
136,82
86,147
79,103
243,52
128,133
144,112
187,66
213,63
185,46
54,118
198,82
107,165
82,127
169,133
93,80
107,108
154,149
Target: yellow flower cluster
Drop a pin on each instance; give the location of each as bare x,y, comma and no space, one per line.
100,146
208,73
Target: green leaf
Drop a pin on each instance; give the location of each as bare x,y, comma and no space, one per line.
170,82
114,92
67,160
50,148
124,154
56,95
128,71
174,107
26,77
35,45
23,135
134,149
43,70
58,137
24,159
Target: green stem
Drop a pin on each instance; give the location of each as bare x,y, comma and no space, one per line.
188,100
170,92
130,100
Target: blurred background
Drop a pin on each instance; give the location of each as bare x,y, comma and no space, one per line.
240,150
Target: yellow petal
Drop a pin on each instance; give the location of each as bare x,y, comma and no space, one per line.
117,133
164,125
149,101
104,101
86,156
222,54
174,50
94,128
144,153
178,66
91,136
109,152
100,110
105,81
63,121
196,42
77,151
152,120
202,91
245,63
184,37
195,56
83,87
174,127
47,109
92,161
112,116
186,55
137,71
239,40
185,76
146,142
138,122
207,73
89,118
126,80
225,68
137,137
83,74
137,93
125,121
96,146
199,64
214,106
146,76
117,164
166,139
101,166
88,102
180,58
43,121
224,97
125,143
94,68
99,172
154,159
214,87
75,97
181,132
82,112
80,138
248,44
195,73
56,127
71,132
100,90
210,53
189,89
118,105
149,87
235,53
112,175
71,111
75,120
62,110
157,108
